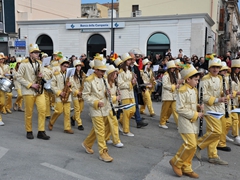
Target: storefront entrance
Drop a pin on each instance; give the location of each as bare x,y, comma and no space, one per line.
95,45
158,43
45,44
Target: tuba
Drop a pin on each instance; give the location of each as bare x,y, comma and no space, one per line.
67,90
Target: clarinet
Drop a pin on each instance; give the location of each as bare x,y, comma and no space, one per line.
109,97
230,91
201,119
118,92
224,92
175,77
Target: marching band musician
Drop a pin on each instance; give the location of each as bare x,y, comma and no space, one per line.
235,69
169,88
8,95
212,88
78,80
186,105
58,84
28,74
148,78
17,106
226,119
94,93
2,94
126,81
112,128
47,74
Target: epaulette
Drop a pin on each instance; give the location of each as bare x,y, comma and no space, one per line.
207,76
105,76
90,78
220,77
121,70
25,61
56,73
165,73
40,62
55,63
182,89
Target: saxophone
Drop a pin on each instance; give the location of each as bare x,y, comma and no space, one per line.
40,81
67,90
81,86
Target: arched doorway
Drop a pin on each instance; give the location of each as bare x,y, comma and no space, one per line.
45,44
95,45
158,43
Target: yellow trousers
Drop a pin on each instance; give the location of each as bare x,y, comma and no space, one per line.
48,95
8,101
147,102
235,124
112,129
127,115
30,100
19,99
185,154
212,136
97,131
2,102
78,108
226,124
52,100
59,109
166,112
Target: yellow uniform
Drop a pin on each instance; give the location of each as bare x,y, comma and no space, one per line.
57,85
78,101
26,75
17,86
127,96
187,127
168,99
8,95
147,77
2,96
212,89
93,93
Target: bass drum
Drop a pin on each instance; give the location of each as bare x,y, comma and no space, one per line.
6,85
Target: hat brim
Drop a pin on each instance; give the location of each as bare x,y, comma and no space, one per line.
65,62
103,68
194,72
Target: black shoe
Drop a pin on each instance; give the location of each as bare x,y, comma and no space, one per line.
30,135
42,135
227,149
141,124
72,121
81,128
47,117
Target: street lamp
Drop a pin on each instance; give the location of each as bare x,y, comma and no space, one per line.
112,30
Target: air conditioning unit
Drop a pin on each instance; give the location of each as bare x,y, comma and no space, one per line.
11,43
235,28
138,13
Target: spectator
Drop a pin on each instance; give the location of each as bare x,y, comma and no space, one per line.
202,64
157,60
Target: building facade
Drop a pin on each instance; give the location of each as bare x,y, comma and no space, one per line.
216,9
155,34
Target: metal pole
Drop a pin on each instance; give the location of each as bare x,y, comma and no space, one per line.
112,30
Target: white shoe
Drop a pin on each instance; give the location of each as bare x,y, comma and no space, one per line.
163,126
128,134
1,123
109,141
119,145
120,127
71,109
52,108
237,140
229,139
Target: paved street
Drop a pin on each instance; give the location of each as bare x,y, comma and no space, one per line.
143,157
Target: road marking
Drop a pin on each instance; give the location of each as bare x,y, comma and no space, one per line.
3,151
64,171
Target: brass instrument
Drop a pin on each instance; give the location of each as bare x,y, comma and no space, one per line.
82,86
40,81
67,90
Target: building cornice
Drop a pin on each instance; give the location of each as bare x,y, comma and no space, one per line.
207,18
